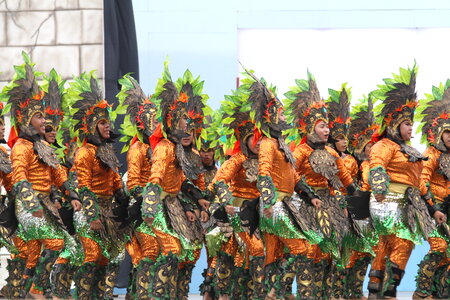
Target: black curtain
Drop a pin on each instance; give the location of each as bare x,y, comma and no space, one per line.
121,57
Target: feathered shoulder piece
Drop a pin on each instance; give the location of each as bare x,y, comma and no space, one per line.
339,111
398,100
434,114
237,124
87,105
23,94
140,119
54,92
304,107
363,128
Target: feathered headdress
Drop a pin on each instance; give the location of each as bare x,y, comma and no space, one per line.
339,112
305,107
435,115
140,120
236,119
399,102
266,107
24,97
54,91
210,136
363,128
2,117
88,105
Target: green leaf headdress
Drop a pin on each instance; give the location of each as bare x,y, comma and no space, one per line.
54,91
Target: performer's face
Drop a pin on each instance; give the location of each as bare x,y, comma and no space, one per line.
186,141
406,130
207,157
322,131
104,129
38,123
446,139
50,134
341,143
2,131
252,146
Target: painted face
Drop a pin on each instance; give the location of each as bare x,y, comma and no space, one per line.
207,157
254,148
322,131
405,129
104,128
50,134
38,123
186,141
446,138
341,143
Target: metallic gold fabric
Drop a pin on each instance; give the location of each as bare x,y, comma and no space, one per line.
364,183
437,244
148,244
34,249
26,166
21,247
232,173
386,154
92,252
273,163
439,186
254,245
398,251
139,166
313,179
91,172
275,247
165,170
356,255
167,243
351,165
134,250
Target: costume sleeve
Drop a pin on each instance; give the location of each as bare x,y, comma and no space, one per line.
429,167
7,181
229,169
134,160
300,158
380,156
344,174
160,160
200,182
265,157
59,175
365,186
265,183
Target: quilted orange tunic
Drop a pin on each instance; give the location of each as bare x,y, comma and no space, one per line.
27,166
92,174
439,186
139,166
232,173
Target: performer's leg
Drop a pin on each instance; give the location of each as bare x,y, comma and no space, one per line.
356,272
149,252
85,276
224,268
377,270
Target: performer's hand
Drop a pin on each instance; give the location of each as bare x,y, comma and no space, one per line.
380,197
148,220
204,216
190,216
57,205
204,203
440,217
38,213
76,205
230,210
268,212
346,212
317,203
96,225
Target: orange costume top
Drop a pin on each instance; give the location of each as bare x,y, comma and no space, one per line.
364,183
351,165
139,165
313,179
91,172
439,186
386,154
6,178
27,166
233,173
273,163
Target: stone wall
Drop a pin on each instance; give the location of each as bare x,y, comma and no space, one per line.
63,34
